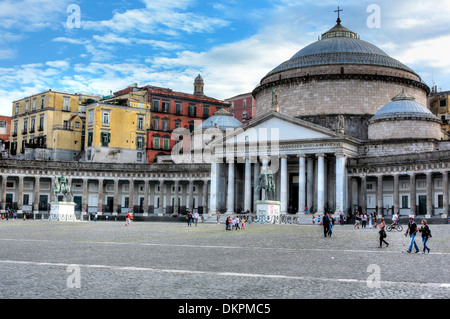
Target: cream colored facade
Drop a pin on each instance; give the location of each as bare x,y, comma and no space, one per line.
48,126
117,133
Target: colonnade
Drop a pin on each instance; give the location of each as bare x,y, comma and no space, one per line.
312,181
164,195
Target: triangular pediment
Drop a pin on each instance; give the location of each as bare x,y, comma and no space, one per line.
281,127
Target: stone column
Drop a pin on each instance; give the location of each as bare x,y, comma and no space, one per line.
161,198
37,184
116,201
230,193
380,195
20,196
168,192
309,182
363,193
4,179
340,182
320,183
131,196
191,196
444,194
396,199
429,176
301,183
100,197
412,194
213,191
204,196
256,194
284,185
248,185
175,197
145,197
84,200
53,197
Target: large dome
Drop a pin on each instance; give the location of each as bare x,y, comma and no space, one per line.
222,120
337,75
340,50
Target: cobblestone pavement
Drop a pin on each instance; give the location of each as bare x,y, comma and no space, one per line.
42,259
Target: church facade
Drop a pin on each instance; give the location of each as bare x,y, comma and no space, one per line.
345,128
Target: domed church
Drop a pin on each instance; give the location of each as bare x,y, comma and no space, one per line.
345,128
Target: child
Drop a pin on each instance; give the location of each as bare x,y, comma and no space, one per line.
243,223
313,220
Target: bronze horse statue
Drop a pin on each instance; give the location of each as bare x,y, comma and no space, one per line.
266,182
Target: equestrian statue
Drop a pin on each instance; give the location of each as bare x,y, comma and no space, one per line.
266,182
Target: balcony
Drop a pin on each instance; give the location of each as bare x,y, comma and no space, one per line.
24,131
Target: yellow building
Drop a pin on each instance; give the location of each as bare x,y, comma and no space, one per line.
439,105
48,126
116,133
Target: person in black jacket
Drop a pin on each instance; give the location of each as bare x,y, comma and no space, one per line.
326,224
426,233
412,228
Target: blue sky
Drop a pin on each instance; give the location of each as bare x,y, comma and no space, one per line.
231,43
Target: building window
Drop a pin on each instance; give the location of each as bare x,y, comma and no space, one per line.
165,107
105,138
139,157
178,108
244,115
205,112
405,201
156,142
90,117
140,122
156,106
25,126
165,124
42,101
192,110
34,104
32,124
105,118
177,124
165,144
27,105
66,104
140,142
90,138
17,108
41,122
155,123
16,125
443,103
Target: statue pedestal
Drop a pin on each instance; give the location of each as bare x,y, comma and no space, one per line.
269,211
63,211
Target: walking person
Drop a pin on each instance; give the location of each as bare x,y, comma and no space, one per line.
331,224
127,219
326,224
364,220
196,217
382,233
227,223
357,218
412,228
426,234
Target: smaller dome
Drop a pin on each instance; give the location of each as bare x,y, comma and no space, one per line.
222,119
403,106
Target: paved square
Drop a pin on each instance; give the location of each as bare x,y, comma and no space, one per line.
41,259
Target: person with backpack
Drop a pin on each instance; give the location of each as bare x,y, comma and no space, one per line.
412,228
426,234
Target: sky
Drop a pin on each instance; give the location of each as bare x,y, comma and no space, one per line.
96,47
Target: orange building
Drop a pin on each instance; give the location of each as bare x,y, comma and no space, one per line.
171,110
5,130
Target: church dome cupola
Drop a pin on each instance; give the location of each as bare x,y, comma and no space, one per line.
198,86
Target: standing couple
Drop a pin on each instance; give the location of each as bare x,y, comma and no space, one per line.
328,222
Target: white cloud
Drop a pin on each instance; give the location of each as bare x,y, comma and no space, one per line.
165,17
